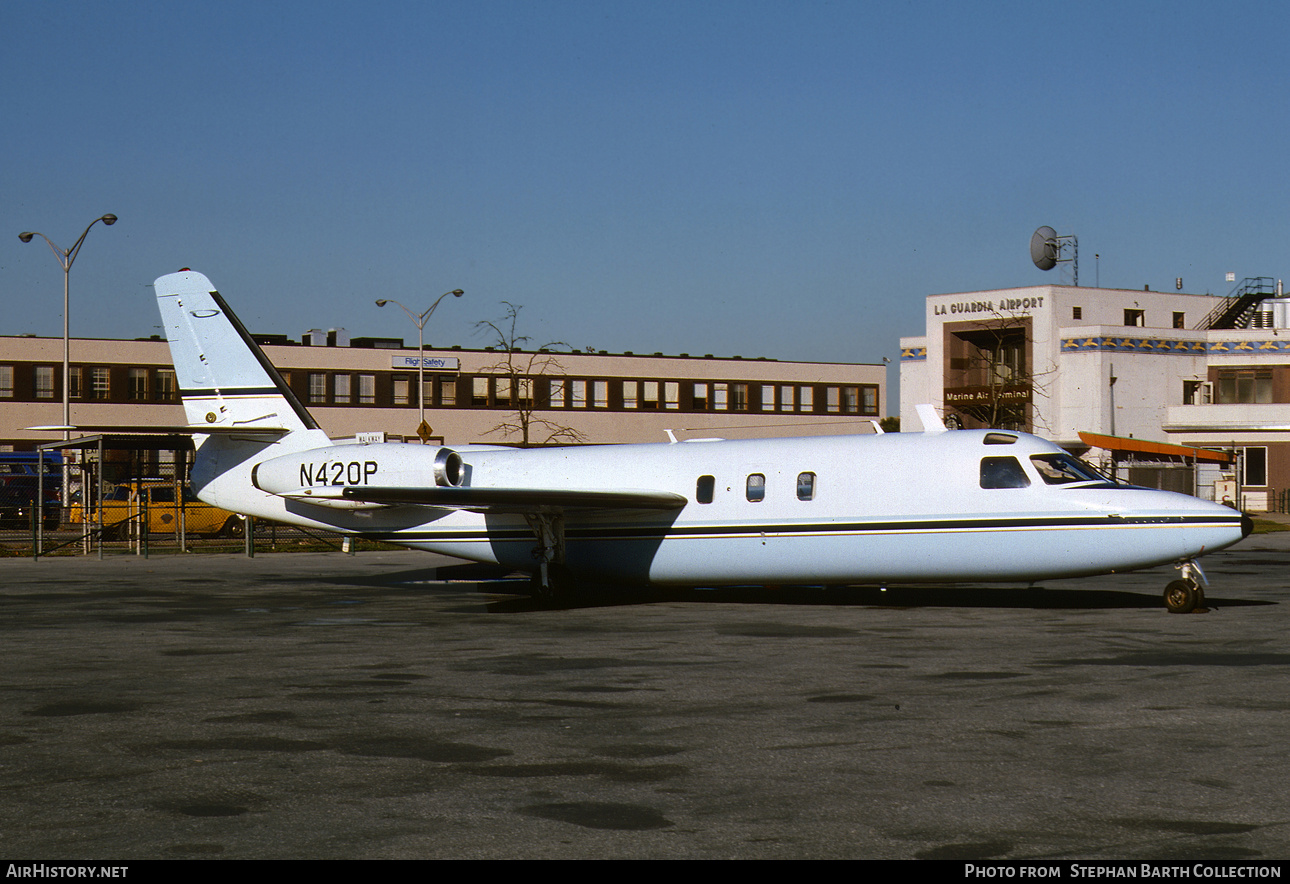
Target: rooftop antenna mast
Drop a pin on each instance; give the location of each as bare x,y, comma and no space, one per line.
1047,248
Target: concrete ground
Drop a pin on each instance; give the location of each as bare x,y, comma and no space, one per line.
329,706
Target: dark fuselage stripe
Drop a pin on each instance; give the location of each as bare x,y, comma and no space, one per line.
660,532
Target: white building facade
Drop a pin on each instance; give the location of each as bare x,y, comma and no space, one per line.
1060,360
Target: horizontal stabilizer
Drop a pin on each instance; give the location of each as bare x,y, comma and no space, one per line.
518,499
158,429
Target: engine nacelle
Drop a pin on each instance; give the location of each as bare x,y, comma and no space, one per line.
321,475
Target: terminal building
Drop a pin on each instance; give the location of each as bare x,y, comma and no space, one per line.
369,386
1192,370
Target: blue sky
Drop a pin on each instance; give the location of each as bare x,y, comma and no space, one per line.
783,179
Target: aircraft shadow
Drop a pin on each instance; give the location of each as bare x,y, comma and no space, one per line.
509,591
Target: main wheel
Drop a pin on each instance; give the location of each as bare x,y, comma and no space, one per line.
1182,597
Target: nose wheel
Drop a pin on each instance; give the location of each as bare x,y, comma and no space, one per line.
1184,596
1187,594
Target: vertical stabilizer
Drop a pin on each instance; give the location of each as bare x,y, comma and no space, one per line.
225,380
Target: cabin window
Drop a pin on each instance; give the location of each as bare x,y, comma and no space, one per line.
999,438
756,487
806,486
1002,472
703,489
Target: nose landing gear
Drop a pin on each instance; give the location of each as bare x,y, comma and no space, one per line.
1187,594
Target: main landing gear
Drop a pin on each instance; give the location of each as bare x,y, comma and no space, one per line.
551,585
1186,594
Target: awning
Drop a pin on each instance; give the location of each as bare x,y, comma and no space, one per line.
1157,450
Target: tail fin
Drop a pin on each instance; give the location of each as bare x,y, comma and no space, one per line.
225,380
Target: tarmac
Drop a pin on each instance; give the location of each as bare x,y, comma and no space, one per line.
386,705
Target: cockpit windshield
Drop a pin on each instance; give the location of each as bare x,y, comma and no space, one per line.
1064,469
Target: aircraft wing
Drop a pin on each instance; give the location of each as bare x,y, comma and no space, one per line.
517,500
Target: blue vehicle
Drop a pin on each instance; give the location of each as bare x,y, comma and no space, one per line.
20,488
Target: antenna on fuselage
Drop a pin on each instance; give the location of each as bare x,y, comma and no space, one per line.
931,421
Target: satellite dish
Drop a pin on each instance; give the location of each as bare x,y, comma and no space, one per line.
1043,248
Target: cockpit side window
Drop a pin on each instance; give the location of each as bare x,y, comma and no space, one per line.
1063,469
1003,472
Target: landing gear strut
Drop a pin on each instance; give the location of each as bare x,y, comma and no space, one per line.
550,583
1187,594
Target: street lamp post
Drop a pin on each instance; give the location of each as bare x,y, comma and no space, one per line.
420,319
65,258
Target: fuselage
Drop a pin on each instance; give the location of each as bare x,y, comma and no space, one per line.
895,508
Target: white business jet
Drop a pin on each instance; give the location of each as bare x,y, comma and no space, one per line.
931,507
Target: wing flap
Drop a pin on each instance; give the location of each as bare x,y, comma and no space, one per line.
518,500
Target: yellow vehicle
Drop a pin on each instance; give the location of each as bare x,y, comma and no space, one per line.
153,502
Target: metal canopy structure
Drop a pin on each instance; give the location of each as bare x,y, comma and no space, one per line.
1165,452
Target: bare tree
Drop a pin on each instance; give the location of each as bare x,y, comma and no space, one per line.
520,377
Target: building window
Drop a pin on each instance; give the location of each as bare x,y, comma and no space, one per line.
367,389
400,389
850,400
700,397
6,381
448,390
1180,320
318,388
649,395
672,396
340,389
767,397
1195,393
579,394
502,391
44,382
75,385
787,399
1135,317
1255,464
808,399
138,385
1244,386
738,397
870,399
832,398
600,392
163,389
755,489
629,394
101,383
1077,313
720,397
555,393
479,391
